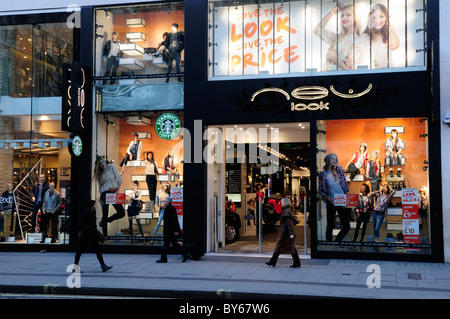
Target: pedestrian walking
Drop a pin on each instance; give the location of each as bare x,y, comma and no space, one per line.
172,231
286,236
89,235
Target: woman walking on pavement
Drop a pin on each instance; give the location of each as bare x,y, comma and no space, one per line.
285,241
88,235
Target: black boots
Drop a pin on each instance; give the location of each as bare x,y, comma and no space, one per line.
296,263
273,261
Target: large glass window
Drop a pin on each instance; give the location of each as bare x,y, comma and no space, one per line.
280,37
140,44
33,148
373,186
146,150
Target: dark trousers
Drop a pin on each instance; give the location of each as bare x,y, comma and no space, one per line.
120,212
127,158
174,242
344,219
364,220
45,219
34,213
83,243
353,170
174,56
111,68
151,184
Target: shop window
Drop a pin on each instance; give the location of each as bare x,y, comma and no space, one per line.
144,136
373,186
32,146
312,37
139,45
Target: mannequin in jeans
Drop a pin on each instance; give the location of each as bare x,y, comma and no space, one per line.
382,199
394,151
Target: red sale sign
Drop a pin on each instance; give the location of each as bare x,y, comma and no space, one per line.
115,198
352,200
177,201
410,214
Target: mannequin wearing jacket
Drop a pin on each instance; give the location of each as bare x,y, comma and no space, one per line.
358,161
175,43
111,53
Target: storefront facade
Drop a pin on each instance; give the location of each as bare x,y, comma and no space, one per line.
269,67
262,72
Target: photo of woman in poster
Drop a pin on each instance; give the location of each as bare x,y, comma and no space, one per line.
343,53
378,39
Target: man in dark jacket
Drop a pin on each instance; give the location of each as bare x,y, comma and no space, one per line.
38,192
175,43
111,53
172,231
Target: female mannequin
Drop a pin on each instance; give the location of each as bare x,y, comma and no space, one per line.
358,161
133,152
332,182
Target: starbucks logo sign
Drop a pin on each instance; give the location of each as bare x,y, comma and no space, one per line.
77,145
168,126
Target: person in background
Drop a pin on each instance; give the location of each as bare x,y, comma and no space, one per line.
8,212
89,235
50,210
111,53
172,231
38,192
286,236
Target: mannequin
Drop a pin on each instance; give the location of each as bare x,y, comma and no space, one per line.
358,161
109,181
373,171
175,43
394,151
332,182
363,211
111,53
134,151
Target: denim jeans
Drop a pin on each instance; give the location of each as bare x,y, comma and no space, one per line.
377,219
392,158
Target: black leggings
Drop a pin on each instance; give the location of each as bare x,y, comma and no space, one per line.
344,219
151,184
84,242
364,220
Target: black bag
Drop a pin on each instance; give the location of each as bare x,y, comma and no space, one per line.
194,251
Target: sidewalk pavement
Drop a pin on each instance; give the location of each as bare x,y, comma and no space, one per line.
221,276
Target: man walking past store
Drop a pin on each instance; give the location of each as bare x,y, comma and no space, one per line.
172,231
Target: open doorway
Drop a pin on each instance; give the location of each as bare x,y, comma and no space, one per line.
238,221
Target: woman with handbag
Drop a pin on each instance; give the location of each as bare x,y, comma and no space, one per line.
285,241
134,206
89,235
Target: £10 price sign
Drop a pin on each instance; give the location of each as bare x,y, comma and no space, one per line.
410,213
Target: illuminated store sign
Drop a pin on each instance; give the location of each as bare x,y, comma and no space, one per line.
315,36
312,93
76,99
168,126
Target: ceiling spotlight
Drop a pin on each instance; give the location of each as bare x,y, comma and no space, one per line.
106,14
133,11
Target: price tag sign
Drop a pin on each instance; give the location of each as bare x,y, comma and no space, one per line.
410,214
340,200
115,198
352,200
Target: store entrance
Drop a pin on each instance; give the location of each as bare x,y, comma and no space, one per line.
245,190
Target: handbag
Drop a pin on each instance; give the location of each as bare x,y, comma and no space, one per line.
295,220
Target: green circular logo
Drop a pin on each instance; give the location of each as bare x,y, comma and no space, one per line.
77,145
168,126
